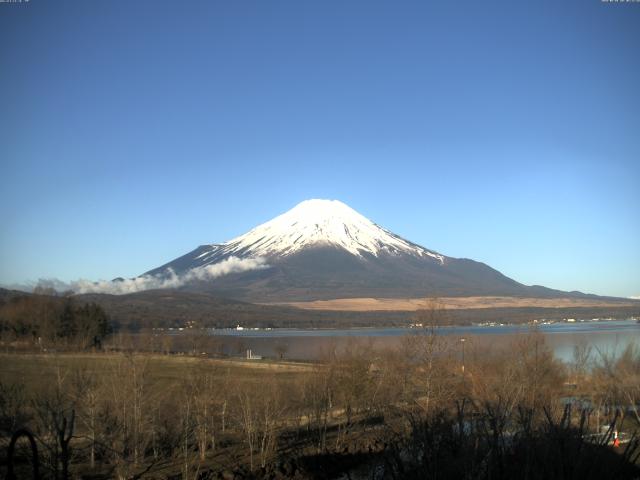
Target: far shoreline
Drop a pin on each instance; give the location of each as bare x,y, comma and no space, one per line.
490,327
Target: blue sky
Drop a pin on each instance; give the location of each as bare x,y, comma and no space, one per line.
506,132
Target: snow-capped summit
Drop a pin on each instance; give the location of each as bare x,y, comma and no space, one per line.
321,223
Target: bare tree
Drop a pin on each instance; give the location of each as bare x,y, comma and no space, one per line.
317,396
582,353
628,367
259,410
55,414
205,397
86,392
166,343
281,350
426,351
130,400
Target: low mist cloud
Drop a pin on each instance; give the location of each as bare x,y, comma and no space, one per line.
149,282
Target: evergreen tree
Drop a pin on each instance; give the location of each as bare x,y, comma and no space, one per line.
67,327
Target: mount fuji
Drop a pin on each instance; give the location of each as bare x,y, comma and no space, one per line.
323,249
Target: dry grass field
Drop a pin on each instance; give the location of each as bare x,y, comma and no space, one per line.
163,370
452,303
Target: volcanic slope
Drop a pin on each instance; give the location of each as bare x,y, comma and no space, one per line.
323,249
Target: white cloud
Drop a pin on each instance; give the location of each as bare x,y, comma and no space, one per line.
150,282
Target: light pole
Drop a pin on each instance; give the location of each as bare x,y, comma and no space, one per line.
462,340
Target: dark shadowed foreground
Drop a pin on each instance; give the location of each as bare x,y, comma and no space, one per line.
432,408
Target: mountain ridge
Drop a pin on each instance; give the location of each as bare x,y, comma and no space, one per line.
323,249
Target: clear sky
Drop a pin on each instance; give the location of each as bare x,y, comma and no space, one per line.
507,132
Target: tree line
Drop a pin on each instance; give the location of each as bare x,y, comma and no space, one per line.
53,322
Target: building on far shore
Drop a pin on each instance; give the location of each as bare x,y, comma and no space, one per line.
251,356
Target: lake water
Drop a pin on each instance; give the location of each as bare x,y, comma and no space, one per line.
610,337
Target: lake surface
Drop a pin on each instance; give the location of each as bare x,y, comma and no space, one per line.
610,337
